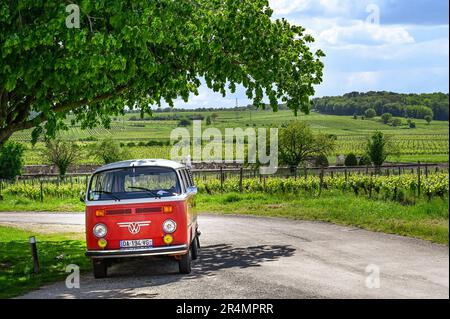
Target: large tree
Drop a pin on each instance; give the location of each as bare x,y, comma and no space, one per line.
297,143
136,54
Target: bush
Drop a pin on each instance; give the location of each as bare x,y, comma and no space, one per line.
131,144
351,160
108,151
11,160
397,122
321,161
412,124
386,118
184,123
365,160
370,113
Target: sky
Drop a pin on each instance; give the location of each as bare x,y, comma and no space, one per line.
371,45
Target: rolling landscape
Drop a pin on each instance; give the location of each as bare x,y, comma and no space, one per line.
428,143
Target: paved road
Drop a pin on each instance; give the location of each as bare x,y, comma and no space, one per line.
248,257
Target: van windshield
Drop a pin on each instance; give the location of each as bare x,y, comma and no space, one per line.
134,183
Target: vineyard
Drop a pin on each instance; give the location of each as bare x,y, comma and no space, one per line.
407,188
406,144
425,143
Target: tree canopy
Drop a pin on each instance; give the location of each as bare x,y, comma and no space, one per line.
298,143
137,54
404,105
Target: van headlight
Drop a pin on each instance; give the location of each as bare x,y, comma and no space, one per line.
100,230
169,226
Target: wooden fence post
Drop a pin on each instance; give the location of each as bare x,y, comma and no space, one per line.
221,178
418,179
241,172
321,181
41,194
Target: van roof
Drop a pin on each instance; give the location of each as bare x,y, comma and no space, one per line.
141,162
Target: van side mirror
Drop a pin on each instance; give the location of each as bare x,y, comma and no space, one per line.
82,197
192,190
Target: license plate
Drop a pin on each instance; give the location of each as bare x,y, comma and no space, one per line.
139,243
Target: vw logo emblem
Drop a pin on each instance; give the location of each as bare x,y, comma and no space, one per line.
134,227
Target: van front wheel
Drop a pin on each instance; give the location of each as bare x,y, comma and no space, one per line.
195,248
100,268
185,263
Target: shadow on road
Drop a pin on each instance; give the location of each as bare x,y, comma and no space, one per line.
223,256
126,279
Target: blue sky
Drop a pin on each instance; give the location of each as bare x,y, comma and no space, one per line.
403,49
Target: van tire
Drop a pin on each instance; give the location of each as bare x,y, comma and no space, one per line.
100,268
185,263
195,248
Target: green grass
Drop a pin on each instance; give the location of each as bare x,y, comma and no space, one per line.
17,203
56,251
425,220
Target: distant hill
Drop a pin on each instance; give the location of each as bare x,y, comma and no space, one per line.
405,105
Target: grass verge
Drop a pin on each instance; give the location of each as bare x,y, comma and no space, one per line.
12,203
426,220
56,252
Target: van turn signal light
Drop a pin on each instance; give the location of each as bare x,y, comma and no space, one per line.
100,213
167,209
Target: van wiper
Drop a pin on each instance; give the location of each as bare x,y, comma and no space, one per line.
107,193
146,190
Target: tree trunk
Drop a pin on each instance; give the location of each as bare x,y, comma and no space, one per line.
5,134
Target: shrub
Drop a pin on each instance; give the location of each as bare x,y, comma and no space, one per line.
108,151
11,160
184,123
321,161
428,118
386,118
351,160
131,144
365,160
397,122
370,113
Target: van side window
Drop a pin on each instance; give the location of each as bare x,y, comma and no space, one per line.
186,178
183,181
191,177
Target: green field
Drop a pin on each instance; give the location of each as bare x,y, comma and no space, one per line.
426,143
56,252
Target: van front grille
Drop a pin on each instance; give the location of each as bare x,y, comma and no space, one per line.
118,212
148,210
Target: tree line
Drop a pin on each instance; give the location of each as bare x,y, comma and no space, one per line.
417,106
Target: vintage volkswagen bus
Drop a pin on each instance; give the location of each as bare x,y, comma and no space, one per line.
141,208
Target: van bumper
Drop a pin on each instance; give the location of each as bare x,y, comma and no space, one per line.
123,253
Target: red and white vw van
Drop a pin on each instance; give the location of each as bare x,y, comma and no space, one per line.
141,208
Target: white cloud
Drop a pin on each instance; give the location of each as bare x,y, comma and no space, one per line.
282,7
366,33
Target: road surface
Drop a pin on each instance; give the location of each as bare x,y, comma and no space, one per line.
250,257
